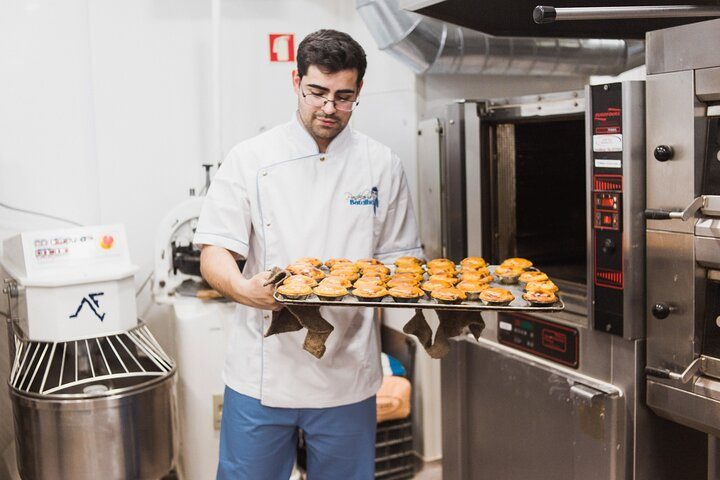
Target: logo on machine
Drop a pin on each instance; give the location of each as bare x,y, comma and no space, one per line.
92,303
368,197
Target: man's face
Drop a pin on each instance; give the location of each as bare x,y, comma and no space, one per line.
325,122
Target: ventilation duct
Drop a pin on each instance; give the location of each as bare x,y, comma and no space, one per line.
429,46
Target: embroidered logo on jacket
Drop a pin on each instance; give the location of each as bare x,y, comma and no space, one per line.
368,197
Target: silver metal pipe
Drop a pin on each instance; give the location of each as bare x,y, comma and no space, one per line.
429,46
546,14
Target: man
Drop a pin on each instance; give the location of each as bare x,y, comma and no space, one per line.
311,187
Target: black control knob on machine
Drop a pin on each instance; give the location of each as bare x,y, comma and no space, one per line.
661,310
663,153
607,247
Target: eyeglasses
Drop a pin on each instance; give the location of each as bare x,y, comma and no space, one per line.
318,101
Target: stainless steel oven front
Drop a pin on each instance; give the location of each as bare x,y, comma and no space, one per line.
559,179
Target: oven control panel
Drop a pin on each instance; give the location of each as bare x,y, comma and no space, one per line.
606,202
542,338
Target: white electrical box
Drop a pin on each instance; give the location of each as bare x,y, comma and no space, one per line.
74,283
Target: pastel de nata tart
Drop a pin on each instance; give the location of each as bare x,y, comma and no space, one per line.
374,274
545,287
508,275
540,299
295,291
496,296
472,289
406,293
336,280
370,293
403,261
330,292
315,262
368,281
331,262
364,262
307,270
305,280
377,268
440,262
416,277
474,263
442,269
431,285
349,274
479,277
449,295
521,263
396,282
446,277
345,266
468,270
416,269
533,276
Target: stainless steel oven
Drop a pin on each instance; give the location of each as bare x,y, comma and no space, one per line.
557,178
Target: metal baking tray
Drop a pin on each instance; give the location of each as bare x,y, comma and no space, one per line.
517,305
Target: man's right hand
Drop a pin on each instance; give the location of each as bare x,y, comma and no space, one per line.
253,293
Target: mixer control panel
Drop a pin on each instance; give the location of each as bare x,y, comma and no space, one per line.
85,245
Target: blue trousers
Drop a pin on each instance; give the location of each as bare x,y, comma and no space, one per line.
259,443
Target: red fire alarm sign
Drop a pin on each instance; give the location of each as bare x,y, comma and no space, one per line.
282,47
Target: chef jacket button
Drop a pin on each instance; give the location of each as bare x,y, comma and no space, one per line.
267,224
264,173
266,316
322,159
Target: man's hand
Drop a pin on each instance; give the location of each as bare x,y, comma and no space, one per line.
253,293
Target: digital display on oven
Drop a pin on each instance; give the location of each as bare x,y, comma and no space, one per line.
539,337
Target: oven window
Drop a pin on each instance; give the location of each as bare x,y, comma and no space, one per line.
545,185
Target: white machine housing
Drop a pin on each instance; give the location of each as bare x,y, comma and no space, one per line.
73,283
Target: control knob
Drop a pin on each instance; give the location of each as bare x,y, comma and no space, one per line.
608,247
663,153
661,310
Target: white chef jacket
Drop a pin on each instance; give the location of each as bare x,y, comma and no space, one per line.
276,199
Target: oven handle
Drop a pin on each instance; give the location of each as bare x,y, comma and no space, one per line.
546,14
690,210
683,377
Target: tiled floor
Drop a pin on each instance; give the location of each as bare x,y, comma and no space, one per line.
430,471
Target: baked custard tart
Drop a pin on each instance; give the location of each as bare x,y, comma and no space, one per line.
440,262
496,296
375,274
377,268
448,295
336,280
540,299
368,281
330,292
545,287
515,262
533,276
302,279
370,293
349,274
445,277
508,275
406,293
401,261
295,291
415,269
474,263
479,277
331,262
431,285
442,269
472,290
307,270
364,262
315,262
397,281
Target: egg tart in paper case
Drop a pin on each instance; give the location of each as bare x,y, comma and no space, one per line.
508,275
295,291
431,285
533,276
472,289
540,299
545,287
360,282
396,282
480,277
515,262
405,261
473,263
440,262
345,273
307,270
375,274
302,279
370,293
496,296
415,277
406,293
376,268
448,295
364,262
330,292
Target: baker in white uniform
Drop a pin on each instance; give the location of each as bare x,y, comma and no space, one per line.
311,187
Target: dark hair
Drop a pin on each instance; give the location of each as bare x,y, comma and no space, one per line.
331,51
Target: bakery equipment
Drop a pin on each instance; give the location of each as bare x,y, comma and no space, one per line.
557,178
86,376
683,228
199,324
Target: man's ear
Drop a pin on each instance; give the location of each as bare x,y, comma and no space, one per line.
360,85
296,81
